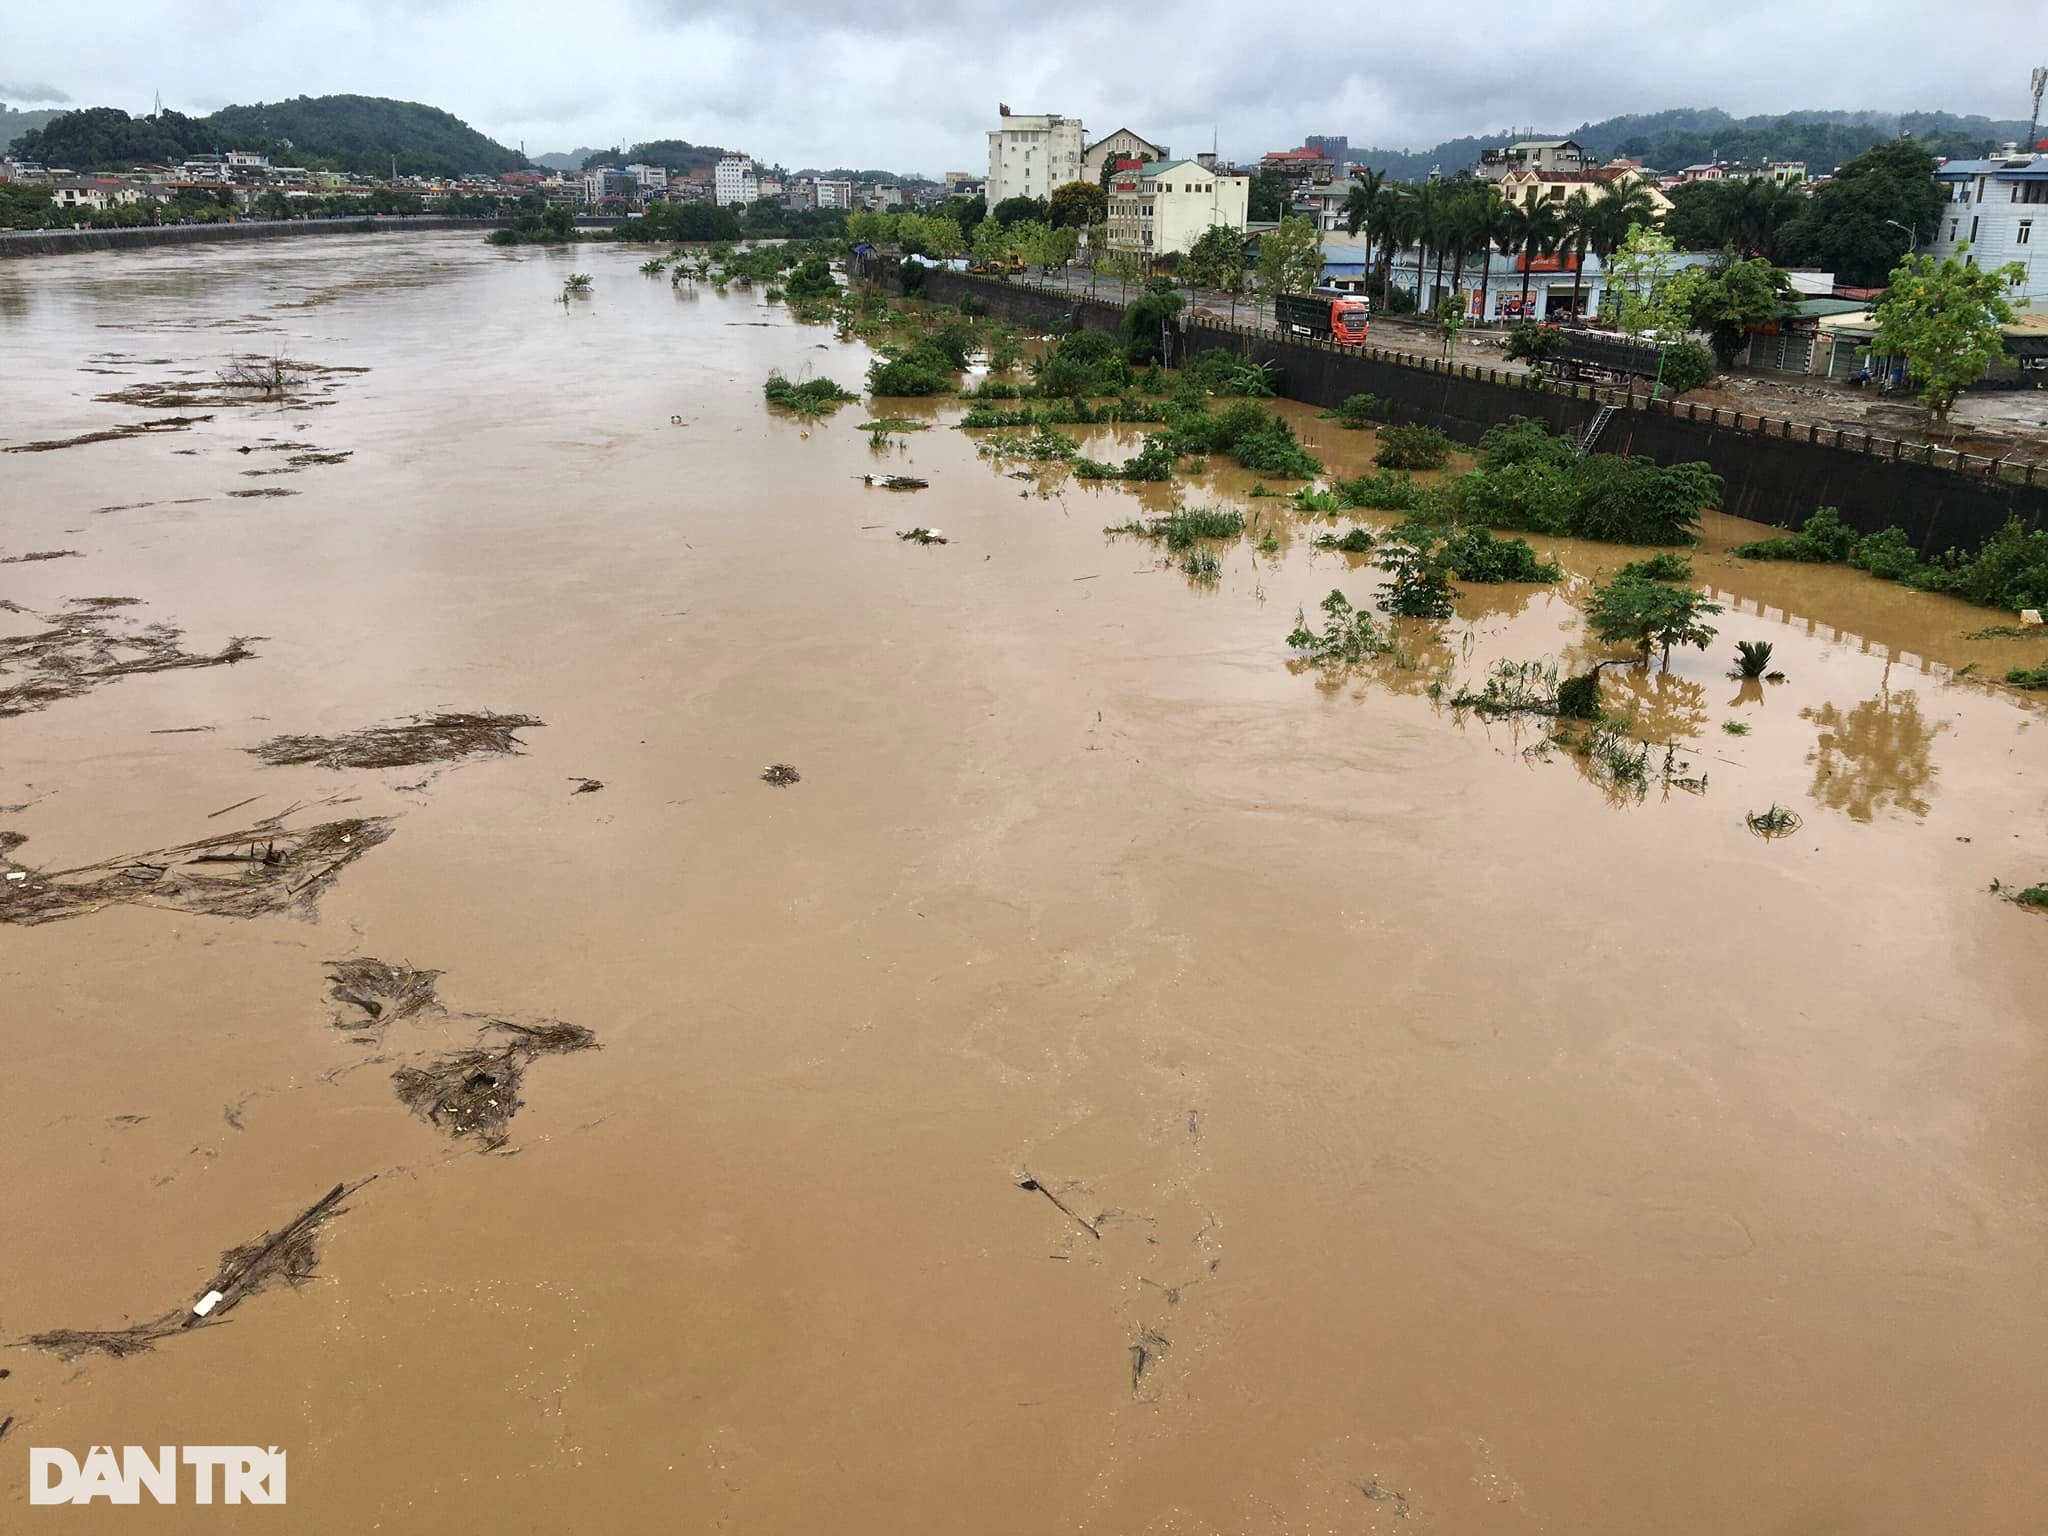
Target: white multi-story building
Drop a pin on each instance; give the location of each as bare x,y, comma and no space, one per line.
1030,155
1168,205
833,194
735,182
1999,208
651,178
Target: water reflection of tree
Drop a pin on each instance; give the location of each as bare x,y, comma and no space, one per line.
1876,755
1667,707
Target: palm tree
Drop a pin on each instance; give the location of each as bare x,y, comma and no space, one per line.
1395,223
1359,201
1490,228
1429,224
1578,222
1531,229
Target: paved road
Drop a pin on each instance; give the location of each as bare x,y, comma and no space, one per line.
1390,335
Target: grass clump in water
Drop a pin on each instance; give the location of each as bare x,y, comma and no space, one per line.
810,397
1355,541
2029,677
1777,821
1184,526
1752,658
1512,688
1735,727
1202,565
1357,411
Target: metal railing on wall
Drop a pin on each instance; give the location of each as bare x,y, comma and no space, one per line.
1955,460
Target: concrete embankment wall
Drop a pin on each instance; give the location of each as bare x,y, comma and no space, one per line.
65,242
1777,479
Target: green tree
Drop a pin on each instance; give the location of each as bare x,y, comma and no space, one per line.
1077,205
1268,197
1044,245
1639,285
1450,319
1216,259
1144,319
1944,317
991,243
1847,226
1015,210
1649,615
1618,210
1290,257
1396,222
1730,300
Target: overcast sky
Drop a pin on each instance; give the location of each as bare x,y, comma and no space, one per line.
914,86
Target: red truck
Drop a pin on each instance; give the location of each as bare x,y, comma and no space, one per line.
1343,320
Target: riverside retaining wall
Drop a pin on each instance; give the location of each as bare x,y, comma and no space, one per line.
65,242
1778,479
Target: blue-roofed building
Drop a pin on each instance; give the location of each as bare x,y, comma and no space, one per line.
1999,208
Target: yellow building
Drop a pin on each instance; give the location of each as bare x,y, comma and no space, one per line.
1519,187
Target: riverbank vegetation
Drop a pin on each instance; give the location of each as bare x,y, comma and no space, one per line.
2009,570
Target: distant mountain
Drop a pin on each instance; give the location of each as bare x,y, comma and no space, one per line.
365,134
1669,141
572,161
14,124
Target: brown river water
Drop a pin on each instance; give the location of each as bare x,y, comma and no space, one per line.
1437,1142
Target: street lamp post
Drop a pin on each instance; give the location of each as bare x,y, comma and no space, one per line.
1912,235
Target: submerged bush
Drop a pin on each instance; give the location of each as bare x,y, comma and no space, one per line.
1473,554
1411,447
1821,540
1346,636
811,397
1357,411
1385,491
1520,440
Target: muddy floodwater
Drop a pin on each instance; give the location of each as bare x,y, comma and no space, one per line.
1125,1083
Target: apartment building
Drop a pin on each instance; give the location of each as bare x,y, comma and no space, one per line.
1541,155
833,194
734,181
1030,154
1999,208
1167,205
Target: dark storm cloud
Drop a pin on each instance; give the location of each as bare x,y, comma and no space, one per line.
912,85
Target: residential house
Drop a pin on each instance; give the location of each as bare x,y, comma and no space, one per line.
1999,208
1165,206
734,181
94,192
22,170
1116,148
1030,154
882,196
1786,173
1303,167
833,193
1541,155
1520,186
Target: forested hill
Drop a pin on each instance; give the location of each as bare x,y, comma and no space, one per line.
13,124
1669,141
343,133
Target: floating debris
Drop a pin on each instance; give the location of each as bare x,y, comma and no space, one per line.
264,869
1144,1353
373,995
781,775
443,738
476,1092
264,490
586,786
111,434
288,1254
896,482
40,554
923,536
303,459
84,646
